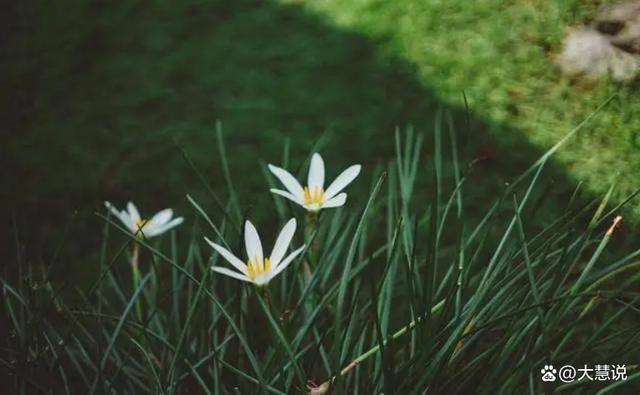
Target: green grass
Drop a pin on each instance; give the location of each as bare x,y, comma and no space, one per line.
497,52
389,307
97,94
122,102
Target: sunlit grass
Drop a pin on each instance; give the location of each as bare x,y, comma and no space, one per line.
500,53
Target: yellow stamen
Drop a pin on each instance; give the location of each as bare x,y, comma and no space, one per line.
139,222
250,272
315,196
256,268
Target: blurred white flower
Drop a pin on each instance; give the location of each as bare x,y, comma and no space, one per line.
314,197
157,225
259,270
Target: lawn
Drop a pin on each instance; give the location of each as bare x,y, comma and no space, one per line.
97,95
102,100
132,101
499,53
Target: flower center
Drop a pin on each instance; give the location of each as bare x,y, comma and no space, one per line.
256,268
314,196
139,222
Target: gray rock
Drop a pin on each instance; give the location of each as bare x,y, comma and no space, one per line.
610,45
590,54
619,12
622,22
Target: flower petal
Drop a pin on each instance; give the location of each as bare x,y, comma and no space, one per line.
111,208
262,280
287,195
231,273
282,243
128,221
123,216
289,181
133,211
336,201
342,181
160,218
313,207
150,231
316,174
232,259
286,262
252,243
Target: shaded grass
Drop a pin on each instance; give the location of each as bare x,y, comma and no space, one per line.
399,309
97,94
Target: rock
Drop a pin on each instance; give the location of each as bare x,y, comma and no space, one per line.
590,54
608,46
622,22
613,14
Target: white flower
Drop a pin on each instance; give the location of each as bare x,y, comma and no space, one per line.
259,270
157,225
314,197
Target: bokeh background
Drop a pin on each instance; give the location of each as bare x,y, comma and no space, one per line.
102,100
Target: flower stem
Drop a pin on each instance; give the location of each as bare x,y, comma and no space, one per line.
312,226
265,296
311,264
136,277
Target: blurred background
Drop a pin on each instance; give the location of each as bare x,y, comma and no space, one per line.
103,100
